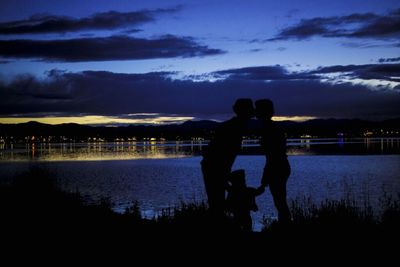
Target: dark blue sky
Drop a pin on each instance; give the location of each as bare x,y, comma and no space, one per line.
169,61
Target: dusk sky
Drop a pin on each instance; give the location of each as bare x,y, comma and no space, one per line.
122,62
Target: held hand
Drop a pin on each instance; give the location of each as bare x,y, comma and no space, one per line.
260,190
265,181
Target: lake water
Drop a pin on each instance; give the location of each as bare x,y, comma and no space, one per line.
160,175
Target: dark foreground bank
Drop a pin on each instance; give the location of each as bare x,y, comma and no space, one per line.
35,214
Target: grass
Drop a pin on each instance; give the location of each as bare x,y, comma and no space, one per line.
332,213
33,208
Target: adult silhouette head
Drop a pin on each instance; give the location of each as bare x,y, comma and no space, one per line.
264,109
243,108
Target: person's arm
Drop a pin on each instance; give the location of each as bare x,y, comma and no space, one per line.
253,192
259,190
265,178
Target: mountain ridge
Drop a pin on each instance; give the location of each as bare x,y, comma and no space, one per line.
202,128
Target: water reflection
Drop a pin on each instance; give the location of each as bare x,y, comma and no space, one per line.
343,146
152,149
96,151
306,142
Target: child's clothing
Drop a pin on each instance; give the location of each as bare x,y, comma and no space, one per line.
241,199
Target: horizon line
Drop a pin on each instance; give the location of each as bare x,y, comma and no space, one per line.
97,121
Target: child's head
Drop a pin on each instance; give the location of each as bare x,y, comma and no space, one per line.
237,178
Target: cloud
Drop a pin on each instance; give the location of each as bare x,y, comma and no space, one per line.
264,73
393,59
114,94
97,120
104,49
255,50
110,20
365,25
369,45
384,72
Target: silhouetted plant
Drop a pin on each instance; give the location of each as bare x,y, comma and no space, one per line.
184,212
330,214
391,211
133,211
267,221
105,203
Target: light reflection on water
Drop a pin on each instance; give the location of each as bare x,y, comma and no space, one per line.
94,151
178,149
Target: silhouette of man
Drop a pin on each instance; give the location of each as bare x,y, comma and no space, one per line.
220,154
277,168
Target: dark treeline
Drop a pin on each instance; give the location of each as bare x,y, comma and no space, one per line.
195,129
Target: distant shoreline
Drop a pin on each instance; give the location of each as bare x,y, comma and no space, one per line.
33,132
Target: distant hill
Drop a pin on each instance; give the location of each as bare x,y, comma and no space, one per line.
349,127
204,129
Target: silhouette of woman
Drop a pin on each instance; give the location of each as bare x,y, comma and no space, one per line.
277,168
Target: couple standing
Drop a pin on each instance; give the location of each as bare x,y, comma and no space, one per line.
220,154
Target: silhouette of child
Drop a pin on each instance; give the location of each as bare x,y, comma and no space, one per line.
241,199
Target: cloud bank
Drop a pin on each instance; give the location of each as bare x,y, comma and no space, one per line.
356,26
115,94
39,24
105,48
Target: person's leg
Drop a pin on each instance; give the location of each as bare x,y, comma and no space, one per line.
278,191
220,194
215,189
247,224
209,180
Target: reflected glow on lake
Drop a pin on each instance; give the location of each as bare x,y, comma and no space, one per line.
179,149
94,151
